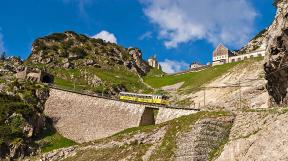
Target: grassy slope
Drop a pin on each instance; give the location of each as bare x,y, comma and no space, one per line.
110,77
194,80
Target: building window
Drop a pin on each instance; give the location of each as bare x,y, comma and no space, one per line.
245,57
251,56
239,59
233,60
259,55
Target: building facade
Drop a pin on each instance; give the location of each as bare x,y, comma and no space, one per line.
152,61
222,55
196,65
34,75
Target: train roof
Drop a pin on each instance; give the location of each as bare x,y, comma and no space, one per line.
140,94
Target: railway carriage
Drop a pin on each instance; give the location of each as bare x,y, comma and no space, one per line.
144,98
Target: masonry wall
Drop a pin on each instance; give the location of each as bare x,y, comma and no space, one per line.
166,114
85,118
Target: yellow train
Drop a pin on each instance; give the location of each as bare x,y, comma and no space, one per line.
144,98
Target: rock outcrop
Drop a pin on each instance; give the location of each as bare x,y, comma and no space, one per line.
21,119
257,136
72,50
276,70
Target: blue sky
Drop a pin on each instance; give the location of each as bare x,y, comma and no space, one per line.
177,31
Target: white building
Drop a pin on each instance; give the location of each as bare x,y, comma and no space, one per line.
152,61
196,65
222,55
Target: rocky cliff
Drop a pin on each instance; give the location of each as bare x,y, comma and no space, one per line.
276,61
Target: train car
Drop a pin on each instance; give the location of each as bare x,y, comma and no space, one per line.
144,98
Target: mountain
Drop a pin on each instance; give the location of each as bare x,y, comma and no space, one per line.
90,64
240,117
253,129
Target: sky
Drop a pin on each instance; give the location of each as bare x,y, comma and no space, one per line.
178,32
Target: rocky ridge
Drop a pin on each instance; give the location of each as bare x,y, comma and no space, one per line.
91,64
72,50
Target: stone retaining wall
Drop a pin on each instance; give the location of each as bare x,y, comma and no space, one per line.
85,118
166,114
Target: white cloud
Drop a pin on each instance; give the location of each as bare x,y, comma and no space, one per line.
107,36
217,21
171,66
146,35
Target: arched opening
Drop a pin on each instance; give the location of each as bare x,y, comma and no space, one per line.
148,116
47,79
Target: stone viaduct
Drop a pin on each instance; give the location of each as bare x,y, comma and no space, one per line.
84,118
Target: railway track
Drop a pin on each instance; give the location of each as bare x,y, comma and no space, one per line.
109,97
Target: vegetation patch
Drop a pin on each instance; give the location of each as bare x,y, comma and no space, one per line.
217,150
54,140
129,152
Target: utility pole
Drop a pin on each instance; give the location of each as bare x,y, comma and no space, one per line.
240,99
73,79
204,96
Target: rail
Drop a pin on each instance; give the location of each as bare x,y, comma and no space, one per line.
109,97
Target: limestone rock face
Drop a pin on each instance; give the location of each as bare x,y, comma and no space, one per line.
276,71
257,136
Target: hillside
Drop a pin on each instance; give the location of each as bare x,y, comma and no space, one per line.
187,90
209,136
90,64
242,86
242,107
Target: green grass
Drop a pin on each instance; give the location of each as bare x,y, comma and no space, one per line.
55,141
110,77
190,79
154,72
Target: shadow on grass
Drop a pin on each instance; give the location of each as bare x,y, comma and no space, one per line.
50,139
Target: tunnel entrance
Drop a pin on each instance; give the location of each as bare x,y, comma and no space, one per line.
47,79
148,116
